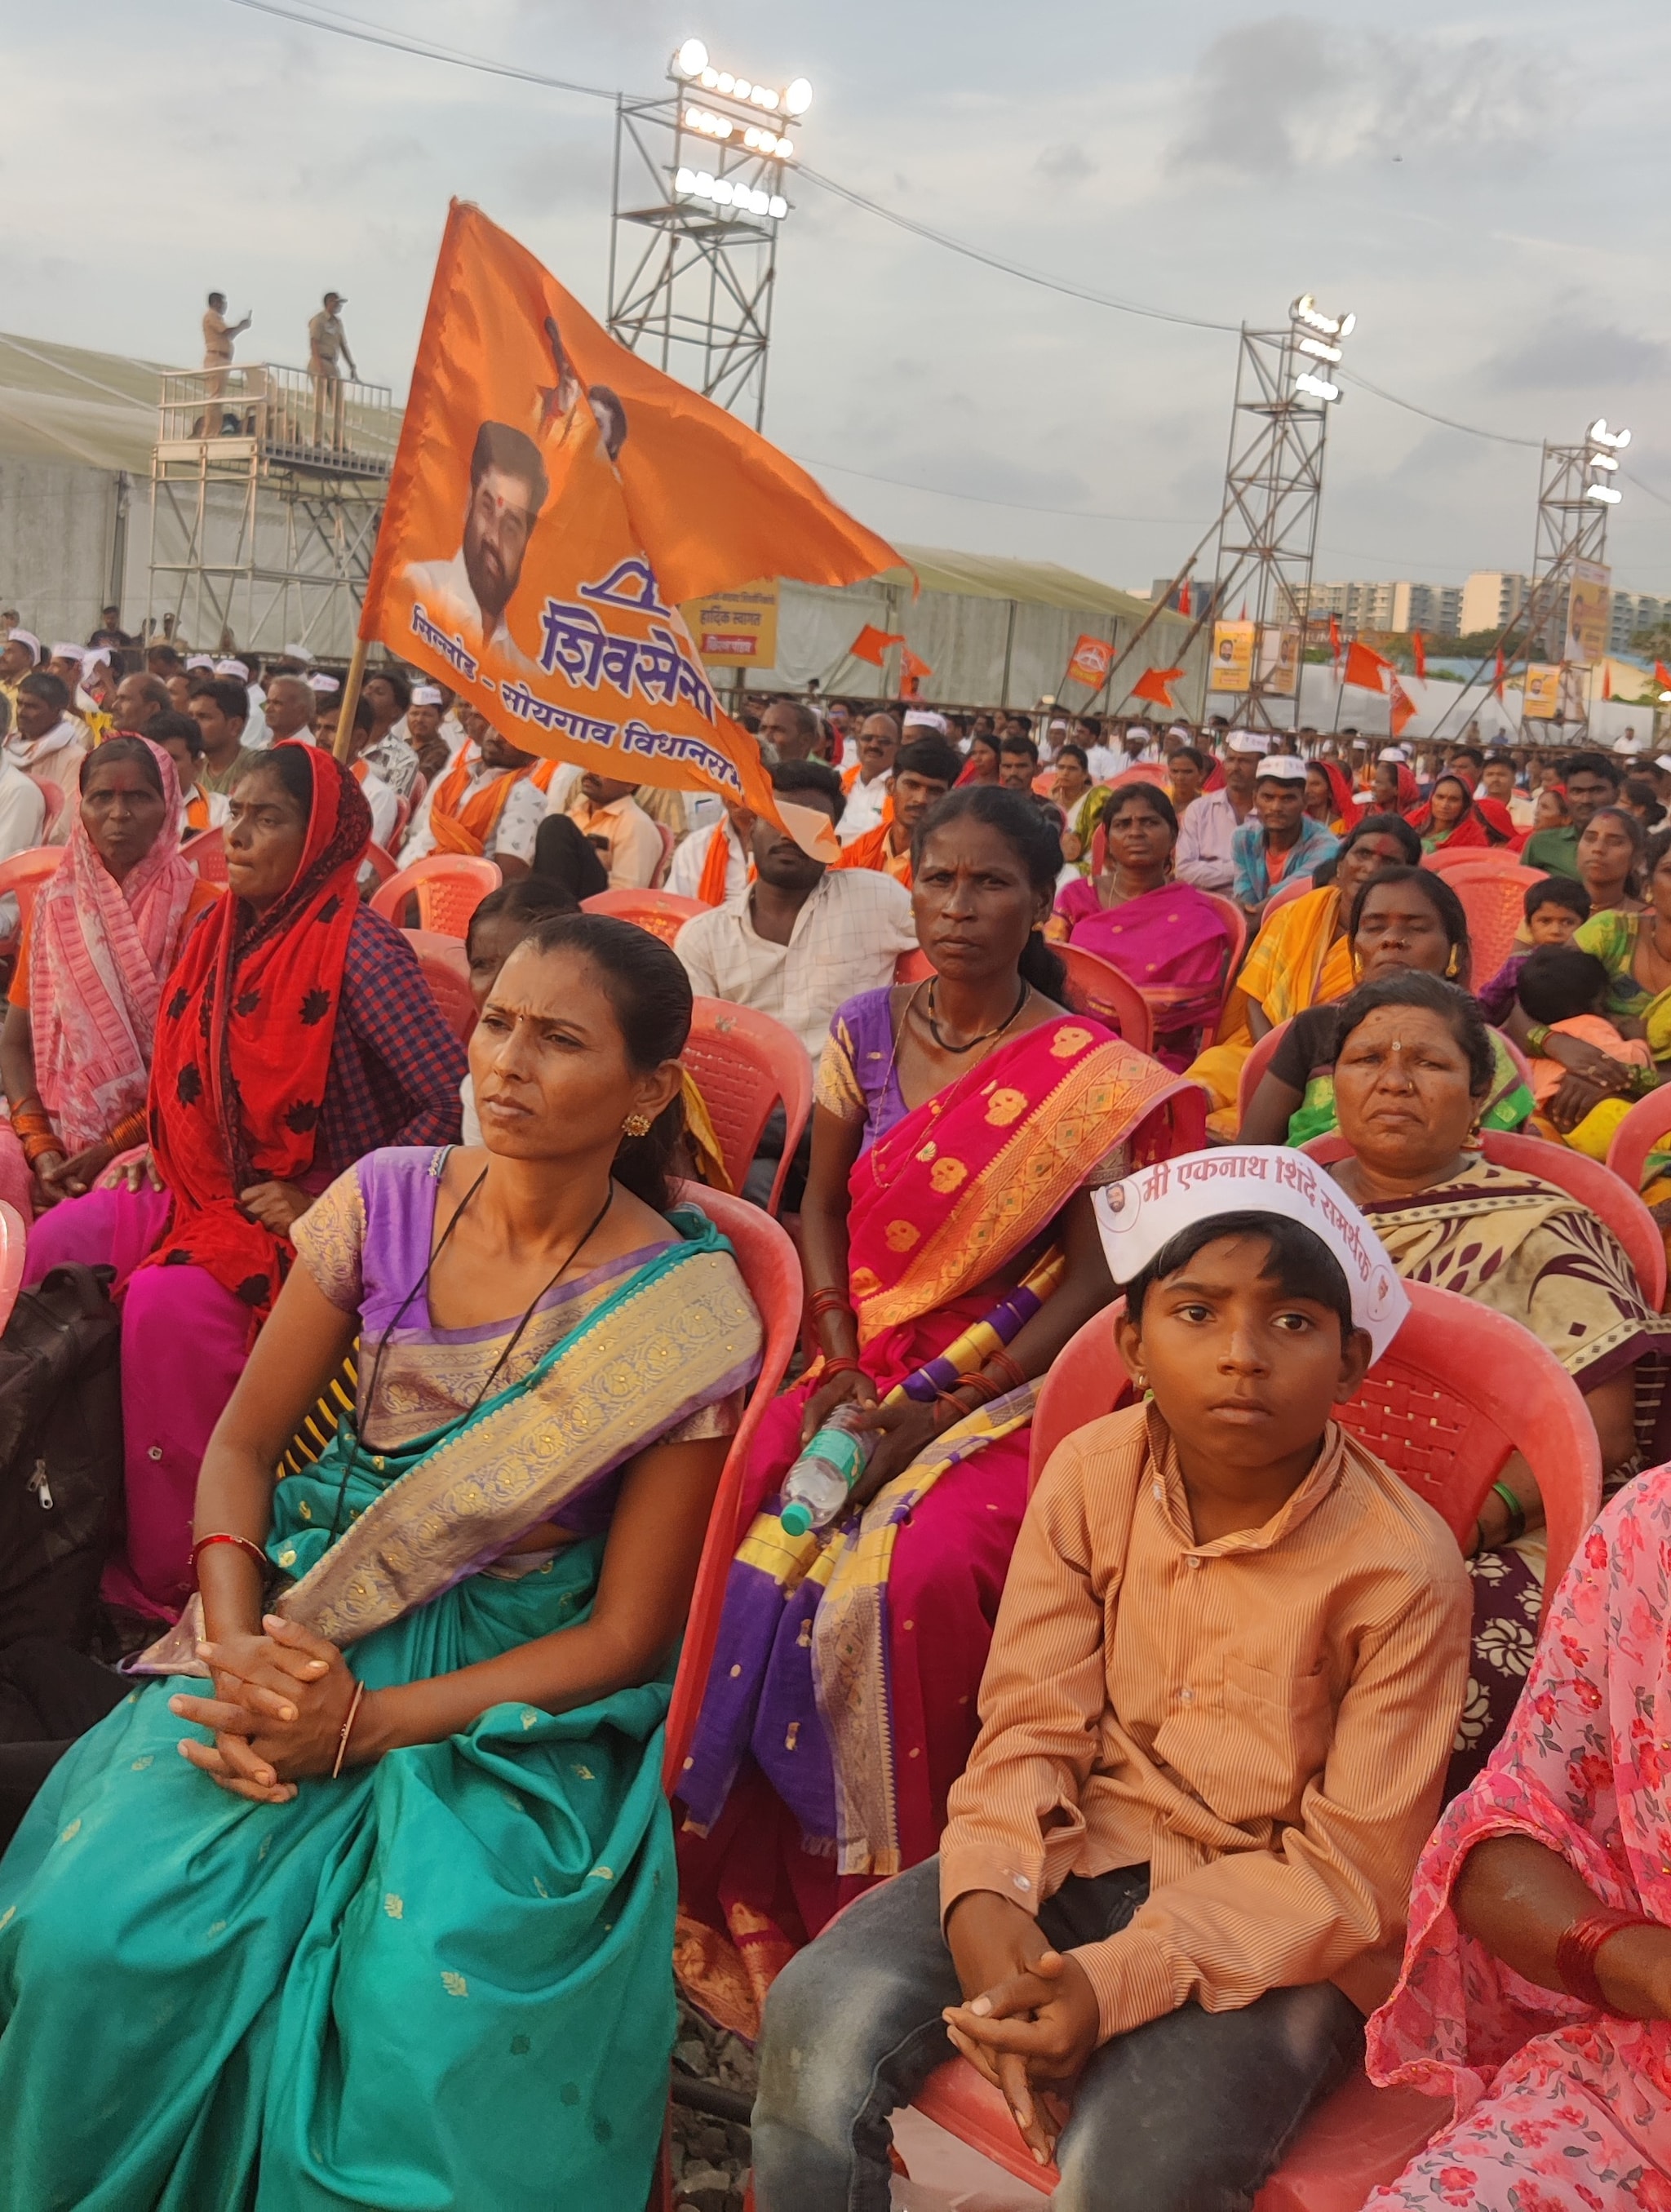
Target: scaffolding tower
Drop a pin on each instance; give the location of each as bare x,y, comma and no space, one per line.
1273,483
267,487
698,202
1566,616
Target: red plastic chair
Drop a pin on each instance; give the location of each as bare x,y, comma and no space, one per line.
1456,1391
771,1270
1595,1187
1236,922
670,845
1096,985
1254,1068
1640,1133
914,967
448,888
1286,891
383,864
663,913
1493,899
745,1064
23,876
446,971
206,853
55,796
14,1246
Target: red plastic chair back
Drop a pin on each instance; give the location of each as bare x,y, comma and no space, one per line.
1236,923
1642,1130
207,853
913,968
446,971
1493,899
772,1272
1287,891
55,796
383,864
1254,1068
663,913
744,1063
23,876
1096,985
14,1245
669,846
448,887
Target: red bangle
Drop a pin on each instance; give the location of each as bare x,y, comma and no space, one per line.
826,1301
1575,1954
841,1365
244,1544
1009,1372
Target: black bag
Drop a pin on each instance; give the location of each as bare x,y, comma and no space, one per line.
61,1508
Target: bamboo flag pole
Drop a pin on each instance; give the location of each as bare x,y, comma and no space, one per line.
352,683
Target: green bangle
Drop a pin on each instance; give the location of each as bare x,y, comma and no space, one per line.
1516,1512
1537,1036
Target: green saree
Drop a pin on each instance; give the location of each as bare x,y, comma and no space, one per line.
441,1981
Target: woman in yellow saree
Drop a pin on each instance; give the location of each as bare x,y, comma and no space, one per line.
1300,958
396,1930
950,1252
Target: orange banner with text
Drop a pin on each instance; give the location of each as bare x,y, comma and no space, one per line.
555,501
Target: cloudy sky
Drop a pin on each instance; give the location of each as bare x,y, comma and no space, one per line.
1479,185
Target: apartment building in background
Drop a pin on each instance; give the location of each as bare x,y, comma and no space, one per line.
1401,605
1631,611
1490,598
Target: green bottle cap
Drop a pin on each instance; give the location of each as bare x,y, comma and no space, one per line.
795,1519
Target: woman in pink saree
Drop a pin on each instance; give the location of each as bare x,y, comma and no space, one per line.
950,1252
1166,937
1536,1990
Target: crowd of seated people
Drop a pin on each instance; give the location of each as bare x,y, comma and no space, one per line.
1125,1790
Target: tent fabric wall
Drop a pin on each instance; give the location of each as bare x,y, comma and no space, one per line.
994,632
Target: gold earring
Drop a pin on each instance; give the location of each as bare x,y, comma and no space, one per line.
637,1124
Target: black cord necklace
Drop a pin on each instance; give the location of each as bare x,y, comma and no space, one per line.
985,1036
370,1400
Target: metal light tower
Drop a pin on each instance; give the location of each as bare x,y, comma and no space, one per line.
1567,599
699,200
1273,482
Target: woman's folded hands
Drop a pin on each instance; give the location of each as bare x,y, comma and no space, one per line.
281,1699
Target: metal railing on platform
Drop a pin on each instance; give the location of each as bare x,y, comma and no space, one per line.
291,417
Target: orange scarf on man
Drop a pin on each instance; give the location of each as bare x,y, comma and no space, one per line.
871,851
458,824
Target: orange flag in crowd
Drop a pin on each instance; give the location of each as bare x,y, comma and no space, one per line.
1091,658
912,671
1402,705
871,644
1662,676
1497,680
554,501
1365,667
1334,641
1419,653
1153,684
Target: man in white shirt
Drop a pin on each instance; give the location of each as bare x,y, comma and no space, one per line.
1104,761
804,938
627,842
49,744
796,943
505,833
23,816
291,708
688,872
867,785
1204,855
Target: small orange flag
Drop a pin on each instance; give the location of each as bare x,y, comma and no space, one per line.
1154,682
1662,676
1367,668
871,644
1418,653
1091,660
554,501
1606,680
1401,707
1496,680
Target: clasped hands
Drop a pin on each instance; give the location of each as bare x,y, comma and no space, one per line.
905,1429
1033,2019
281,1699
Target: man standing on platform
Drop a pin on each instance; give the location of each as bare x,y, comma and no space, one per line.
218,335
327,350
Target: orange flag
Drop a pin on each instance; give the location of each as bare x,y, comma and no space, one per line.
871,644
554,501
1334,641
1184,603
1365,667
1091,660
1153,684
1497,680
1402,705
1662,676
1606,680
1418,653
912,671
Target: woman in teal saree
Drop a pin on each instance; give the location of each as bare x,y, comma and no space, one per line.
392,1925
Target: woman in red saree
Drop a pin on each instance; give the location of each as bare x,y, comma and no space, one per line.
1452,818
950,1252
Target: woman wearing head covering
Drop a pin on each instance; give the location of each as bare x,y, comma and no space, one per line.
1329,796
82,1013
1454,817
397,1930
296,1035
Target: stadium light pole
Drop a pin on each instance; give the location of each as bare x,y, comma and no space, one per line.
1567,599
700,197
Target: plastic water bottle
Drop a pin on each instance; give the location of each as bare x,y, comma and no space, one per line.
818,1486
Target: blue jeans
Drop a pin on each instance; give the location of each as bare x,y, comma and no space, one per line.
1190,2113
